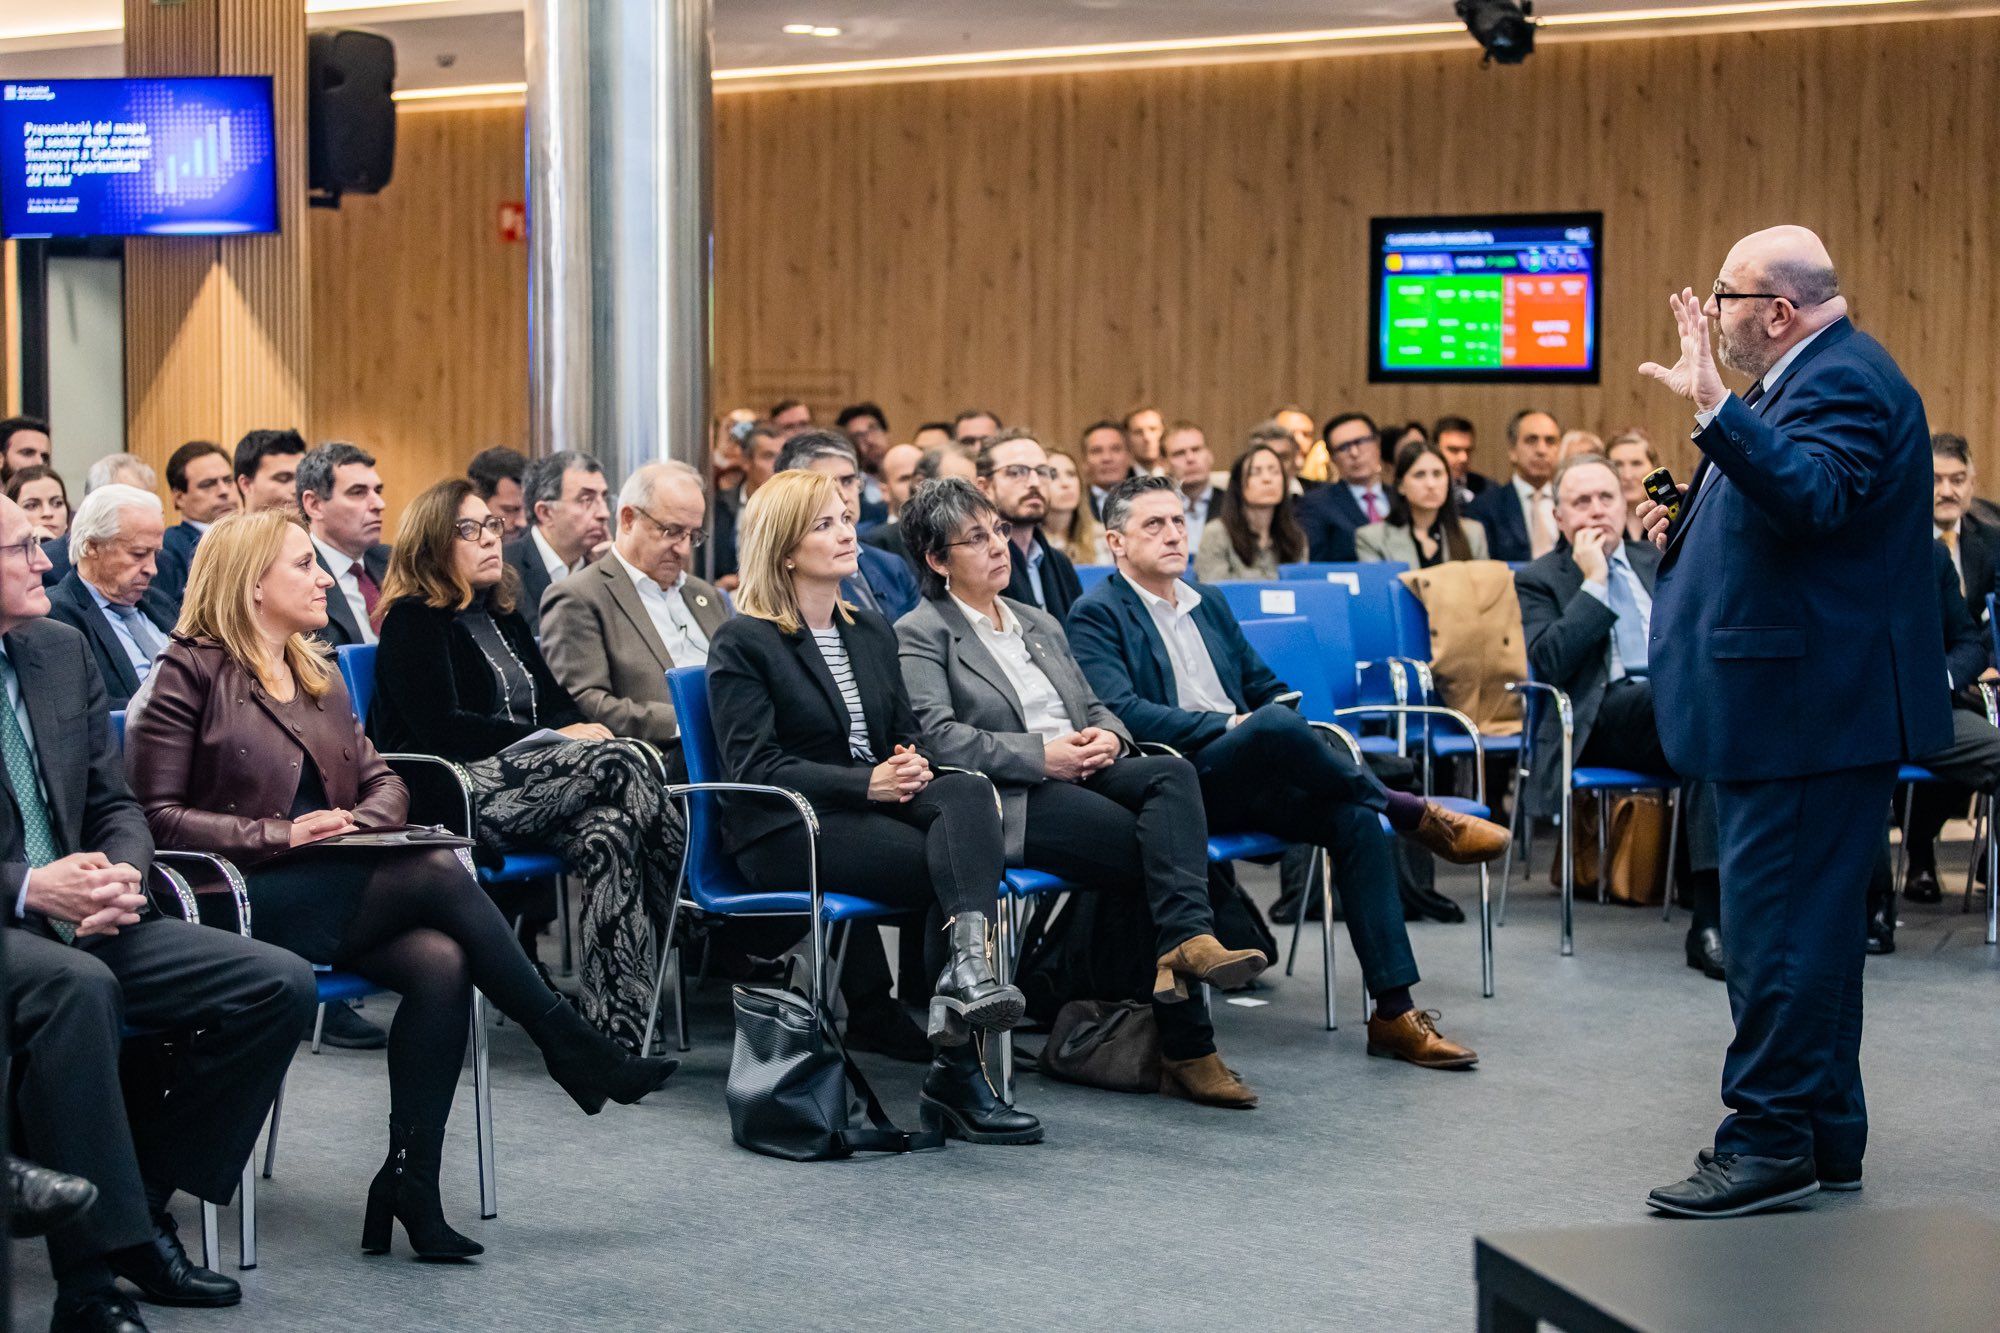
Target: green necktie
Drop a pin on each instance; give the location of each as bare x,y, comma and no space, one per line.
37,838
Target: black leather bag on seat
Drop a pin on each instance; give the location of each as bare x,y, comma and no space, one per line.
789,1081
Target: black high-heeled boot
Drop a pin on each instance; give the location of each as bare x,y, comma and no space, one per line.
406,1190
589,1065
959,1099
968,995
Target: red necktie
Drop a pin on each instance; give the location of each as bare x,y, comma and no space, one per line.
1369,506
370,592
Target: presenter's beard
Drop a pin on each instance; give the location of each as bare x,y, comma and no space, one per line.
1747,353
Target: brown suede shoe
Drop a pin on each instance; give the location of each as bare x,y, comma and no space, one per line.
1414,1037
1206,1080
1203,958
1463,840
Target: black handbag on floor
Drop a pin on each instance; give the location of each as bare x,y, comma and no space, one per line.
789,1081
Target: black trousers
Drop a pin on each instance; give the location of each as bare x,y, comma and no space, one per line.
245,1004
1971,763
1627,735
1137,828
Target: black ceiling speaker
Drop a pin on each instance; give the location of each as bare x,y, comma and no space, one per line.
350,119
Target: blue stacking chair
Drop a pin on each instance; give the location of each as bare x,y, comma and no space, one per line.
1298,654
1371,589
1329,608
1092,575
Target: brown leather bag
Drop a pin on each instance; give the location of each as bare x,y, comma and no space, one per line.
1637,847
1111,1044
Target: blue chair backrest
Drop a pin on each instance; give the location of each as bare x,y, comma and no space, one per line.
1372,612
118,727
1326,608
1291,649
357,668
709,868
1092,575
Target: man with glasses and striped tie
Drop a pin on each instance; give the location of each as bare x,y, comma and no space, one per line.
108,594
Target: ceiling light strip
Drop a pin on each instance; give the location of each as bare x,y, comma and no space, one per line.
460,90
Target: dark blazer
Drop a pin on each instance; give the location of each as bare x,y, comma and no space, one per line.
1060,585
1114,638
525,559
969,712
340,627
722,530
57,550
176,558
889,579
70,602
216,767
1567,632
1978,551
435,692
889,537
1499,508
1330,518
1965,646
779,718
90,807
1786,641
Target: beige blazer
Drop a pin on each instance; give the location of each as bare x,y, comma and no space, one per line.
601,644
1379,542
1215,559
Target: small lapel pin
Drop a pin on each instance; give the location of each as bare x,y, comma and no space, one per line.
701,599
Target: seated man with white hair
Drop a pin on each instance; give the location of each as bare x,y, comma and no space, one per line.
116,536
611,630
125,469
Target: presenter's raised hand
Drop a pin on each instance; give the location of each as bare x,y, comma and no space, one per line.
1694,376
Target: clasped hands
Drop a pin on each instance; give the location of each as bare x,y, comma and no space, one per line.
1076,756
900,777
87,889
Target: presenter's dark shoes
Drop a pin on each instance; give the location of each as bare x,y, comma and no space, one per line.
406,1190
1202,958
1413,1036
1704,952
1835,1177
350,1031
968,995
1733,1185
959,1099
1881,931
1206,1080
104,1310
164,1274
590,1066
40,1200
1463,840
1921,886
883,1026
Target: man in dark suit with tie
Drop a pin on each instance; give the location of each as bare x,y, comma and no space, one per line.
340,493
569,525
1519,513
1353,497
1014,473
108,594
1455,440
87,957
884,582
1972,543
1586,617
200,479
1795,670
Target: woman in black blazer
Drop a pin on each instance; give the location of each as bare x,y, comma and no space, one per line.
806,694
458,675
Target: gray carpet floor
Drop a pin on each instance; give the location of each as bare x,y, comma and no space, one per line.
1348,1200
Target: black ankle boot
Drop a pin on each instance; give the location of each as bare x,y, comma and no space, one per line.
959,1099
589,1065
406,1190
968,995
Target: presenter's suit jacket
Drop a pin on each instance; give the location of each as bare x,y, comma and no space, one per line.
1787,637
600,642
970,714
71,603
176,558
1498,507
1115,640
340,627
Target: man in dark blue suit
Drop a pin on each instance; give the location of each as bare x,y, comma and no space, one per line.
883,583
1170,660
1014,473
1353,497
1519,514
1794,669
201,480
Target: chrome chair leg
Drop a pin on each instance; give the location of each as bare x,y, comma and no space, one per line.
271,1134
482,1103
319,1026
1565,848
211,1237
1485,933
1603,847
1981,831
1673,795
1992,875
680,1003
1000,1049
246,1217
1326,934
1299,923
1514,835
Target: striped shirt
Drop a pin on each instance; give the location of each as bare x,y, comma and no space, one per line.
835,653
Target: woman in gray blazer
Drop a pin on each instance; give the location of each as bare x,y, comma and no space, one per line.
995,689
1424,527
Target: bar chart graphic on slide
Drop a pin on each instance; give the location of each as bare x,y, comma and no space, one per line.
130,157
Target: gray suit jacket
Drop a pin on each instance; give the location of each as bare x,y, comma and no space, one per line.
1381,542
970,715
600,643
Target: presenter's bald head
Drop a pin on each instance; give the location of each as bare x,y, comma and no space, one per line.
1777,288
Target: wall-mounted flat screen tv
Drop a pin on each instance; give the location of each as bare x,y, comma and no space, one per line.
1495,298
137,157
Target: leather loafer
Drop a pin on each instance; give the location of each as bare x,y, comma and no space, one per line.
1921,886
165,1275
1413,1036
105,1310
42,1200
1704,952
1206,1080
1837,1177
1733,1185
1463,840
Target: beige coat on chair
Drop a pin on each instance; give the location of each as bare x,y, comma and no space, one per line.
1476,642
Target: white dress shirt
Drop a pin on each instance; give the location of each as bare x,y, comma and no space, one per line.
1197,686
348,584
1042,710
1198,507
675,624
558,570
1535,503
1621,568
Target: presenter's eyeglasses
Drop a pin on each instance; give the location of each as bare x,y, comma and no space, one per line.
1721,296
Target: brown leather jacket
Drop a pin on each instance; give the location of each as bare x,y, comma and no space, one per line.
216,766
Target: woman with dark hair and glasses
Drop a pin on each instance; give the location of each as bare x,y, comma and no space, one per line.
1423,527
1255,530
996,690
458,675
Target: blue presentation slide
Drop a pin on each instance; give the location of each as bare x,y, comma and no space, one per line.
137,157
